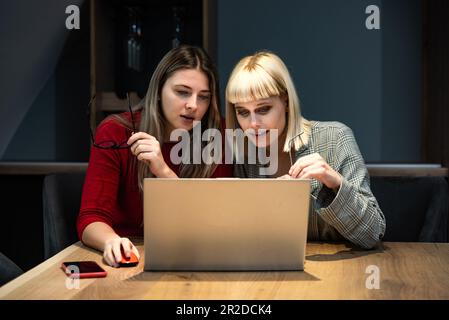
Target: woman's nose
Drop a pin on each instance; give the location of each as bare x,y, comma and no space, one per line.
192,103
254,122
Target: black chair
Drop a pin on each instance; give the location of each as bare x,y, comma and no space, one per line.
415,208
8,270
61,203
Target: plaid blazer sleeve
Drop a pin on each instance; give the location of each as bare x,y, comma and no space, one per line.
354,212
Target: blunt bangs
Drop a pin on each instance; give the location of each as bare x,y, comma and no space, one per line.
251,84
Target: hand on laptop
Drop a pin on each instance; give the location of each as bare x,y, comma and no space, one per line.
284,177
112,250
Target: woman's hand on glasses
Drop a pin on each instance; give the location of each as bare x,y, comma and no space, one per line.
313,166
147,149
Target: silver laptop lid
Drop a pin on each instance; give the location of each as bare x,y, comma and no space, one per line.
225,224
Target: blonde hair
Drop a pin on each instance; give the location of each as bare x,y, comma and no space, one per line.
261,76
153,120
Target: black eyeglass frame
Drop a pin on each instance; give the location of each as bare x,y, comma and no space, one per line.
109,144
290,146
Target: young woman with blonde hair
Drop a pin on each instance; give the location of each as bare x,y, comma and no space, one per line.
261,96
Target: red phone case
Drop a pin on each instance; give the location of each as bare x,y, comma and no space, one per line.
82,275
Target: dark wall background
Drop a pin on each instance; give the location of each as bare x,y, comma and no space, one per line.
44,82
370,80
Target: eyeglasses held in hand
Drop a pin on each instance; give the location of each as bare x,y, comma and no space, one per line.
290,146
109,144
290,154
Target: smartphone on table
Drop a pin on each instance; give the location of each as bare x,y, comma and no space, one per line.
83,269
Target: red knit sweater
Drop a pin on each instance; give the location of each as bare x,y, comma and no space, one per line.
111,193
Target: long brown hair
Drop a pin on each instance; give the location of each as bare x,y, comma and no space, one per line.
152,119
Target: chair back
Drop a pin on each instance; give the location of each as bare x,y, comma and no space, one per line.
415,208
61,203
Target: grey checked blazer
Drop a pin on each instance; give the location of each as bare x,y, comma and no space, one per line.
353,213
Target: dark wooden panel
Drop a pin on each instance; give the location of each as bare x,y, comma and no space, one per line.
384,170
436,81
40,168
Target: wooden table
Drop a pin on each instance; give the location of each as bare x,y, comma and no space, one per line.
332,271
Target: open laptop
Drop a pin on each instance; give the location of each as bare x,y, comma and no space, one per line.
225,224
